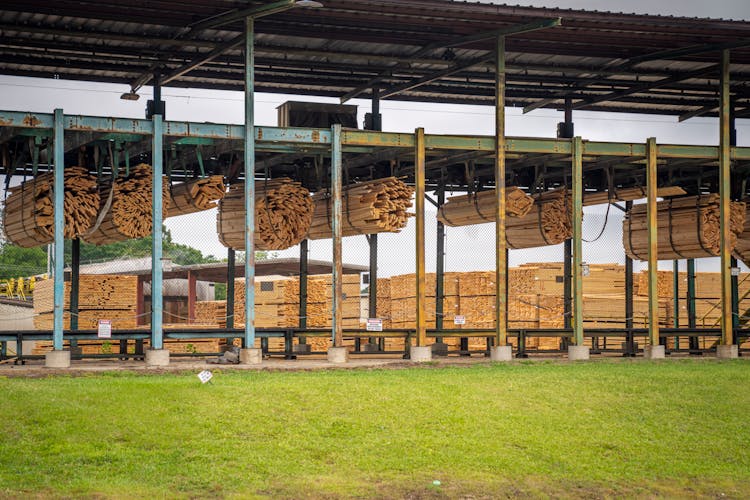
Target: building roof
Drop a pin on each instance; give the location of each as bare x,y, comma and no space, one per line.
215,272
601,60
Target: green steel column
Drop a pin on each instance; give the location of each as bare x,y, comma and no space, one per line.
501,256
157,299
419,181
75,274
249,192
691,295
724,203
59,224
303,273
337,216
676,303
440,265
231,263
577,180
653,295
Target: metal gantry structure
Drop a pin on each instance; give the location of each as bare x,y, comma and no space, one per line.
427,155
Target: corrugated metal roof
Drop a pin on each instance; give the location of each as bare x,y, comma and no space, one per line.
351,43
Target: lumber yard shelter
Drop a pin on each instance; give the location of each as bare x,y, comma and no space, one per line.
437,51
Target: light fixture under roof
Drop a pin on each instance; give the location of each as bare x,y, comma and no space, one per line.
308,3
130,96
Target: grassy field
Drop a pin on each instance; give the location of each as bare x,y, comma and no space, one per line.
536,429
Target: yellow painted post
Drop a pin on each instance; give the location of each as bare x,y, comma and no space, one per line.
727,335
653,295
501,259
419,181
577,145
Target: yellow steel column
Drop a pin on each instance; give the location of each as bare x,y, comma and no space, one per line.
501,259
419,181
577,310
653,296
724,194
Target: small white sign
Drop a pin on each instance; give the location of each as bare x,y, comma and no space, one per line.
374,325
459,320
104,330
735,271
205,376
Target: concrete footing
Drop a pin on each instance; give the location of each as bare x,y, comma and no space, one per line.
420,354
157,357
439,349
57,359
369,347
578,353
727,351
654,352
338,355
501,353
301,349
251,356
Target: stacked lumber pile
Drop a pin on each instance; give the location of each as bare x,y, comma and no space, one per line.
125,211
277,301
211,312
283,213
101,296
319,312
403,304
628,194
549,222
688,228
479,207
196,196
384,302
28,218
375,206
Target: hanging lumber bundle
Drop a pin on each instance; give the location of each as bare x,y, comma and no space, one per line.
687,228
283,212
28,219
196,195
477,208
628,194
376,206
125,211
742,248
549,222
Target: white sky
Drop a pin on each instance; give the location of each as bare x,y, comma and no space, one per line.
467,248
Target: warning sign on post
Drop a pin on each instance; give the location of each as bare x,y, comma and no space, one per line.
459,320
374,325
104,331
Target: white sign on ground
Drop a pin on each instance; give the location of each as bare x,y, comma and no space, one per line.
205,376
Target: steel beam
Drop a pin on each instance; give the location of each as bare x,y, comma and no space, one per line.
59,224
336,224
653,294
419,183
249,186
577,183
727,333
501,244
157,300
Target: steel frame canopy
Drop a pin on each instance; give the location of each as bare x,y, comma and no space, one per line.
421,50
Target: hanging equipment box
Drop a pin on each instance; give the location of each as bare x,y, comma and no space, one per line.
316,114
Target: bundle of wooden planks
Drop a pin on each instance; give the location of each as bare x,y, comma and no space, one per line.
742,247
196,195
687,228
628,194
28,219
548,223
375,206
125,211
211,312
478,208
283,213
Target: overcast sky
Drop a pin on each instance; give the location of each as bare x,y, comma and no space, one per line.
43,95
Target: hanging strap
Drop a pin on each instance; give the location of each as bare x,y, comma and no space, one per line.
699,225
671,241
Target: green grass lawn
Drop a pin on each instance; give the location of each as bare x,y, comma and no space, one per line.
606,428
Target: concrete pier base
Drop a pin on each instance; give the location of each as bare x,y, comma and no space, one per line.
578,353
727,351
439,349
157,357
654,352
338,355
368,347
420,354
501,353
301,349
57,359
251,356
